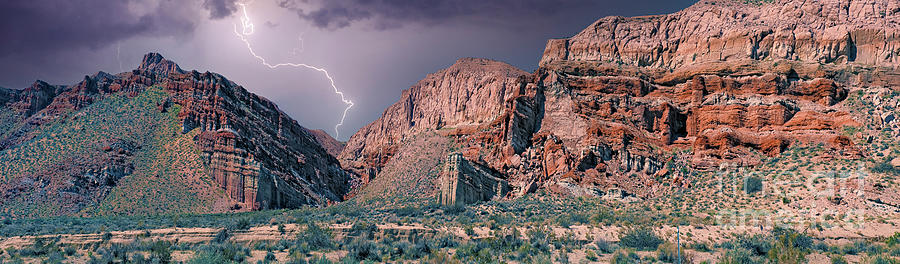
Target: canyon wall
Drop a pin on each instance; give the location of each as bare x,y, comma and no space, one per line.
633,104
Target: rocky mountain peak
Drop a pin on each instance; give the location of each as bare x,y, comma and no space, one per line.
154,62
485,65
38,85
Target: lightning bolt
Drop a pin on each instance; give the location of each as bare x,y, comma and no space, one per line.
247,29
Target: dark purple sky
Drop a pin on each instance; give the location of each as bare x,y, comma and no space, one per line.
373,48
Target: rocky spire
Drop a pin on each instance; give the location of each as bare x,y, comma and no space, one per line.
154,62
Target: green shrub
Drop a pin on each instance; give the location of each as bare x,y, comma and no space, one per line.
444,240
800,240
893,240
564,221
361,250
475,252
221,253
539,238
221,236
114,253
885,166
419,250
895,251
315,237
604,246
758,245
604,216
138,258
161,251
669,253
641,238
363,229
881,259
625,257
270,257
701,247
70,251
439,256
407,211
787,251
320,260
854,248
242,224
740,256
455,209
205,257
838,259
562,257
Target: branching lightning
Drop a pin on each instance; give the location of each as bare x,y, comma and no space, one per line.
248,29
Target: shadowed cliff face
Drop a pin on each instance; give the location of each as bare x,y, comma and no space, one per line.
241,143
635,104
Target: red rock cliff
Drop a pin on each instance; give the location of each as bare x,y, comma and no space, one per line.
470,93
617,106
259,155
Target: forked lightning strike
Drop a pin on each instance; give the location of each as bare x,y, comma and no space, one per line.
247,29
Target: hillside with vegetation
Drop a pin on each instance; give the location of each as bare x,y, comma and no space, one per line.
156,140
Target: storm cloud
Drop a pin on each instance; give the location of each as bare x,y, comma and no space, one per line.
220,8
389,14
46,26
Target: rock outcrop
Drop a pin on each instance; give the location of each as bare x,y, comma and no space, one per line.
463,182
628,102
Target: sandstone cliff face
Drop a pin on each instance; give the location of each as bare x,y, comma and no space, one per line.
259,154
255,152
261,133
628,101
822,31
470,93
462,182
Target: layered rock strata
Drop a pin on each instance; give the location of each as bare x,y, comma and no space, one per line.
463,182
634,104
